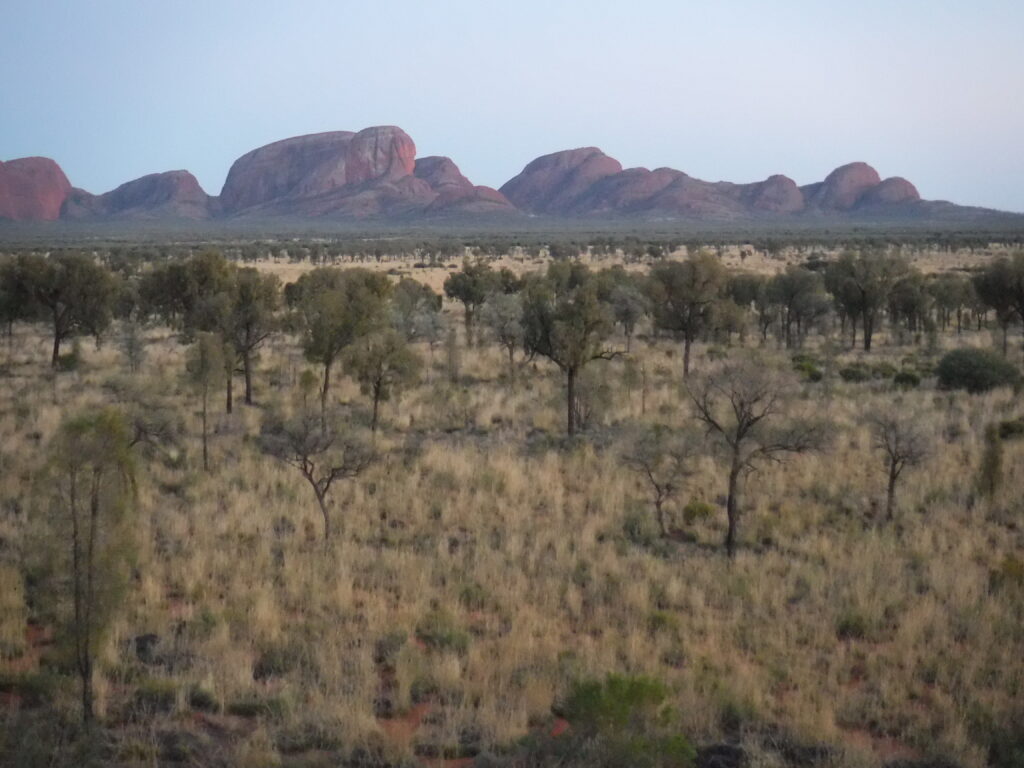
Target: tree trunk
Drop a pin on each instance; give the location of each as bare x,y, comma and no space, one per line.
570,375
732,507
869,331
890,498
55,358
206,452
511,365
323,396
247,369
376,407
321,499
229,397
687,343
660,514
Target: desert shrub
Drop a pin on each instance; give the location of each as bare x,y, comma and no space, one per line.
852,625
1011,429
438,630
1009,574
639,529
621,721
808,370
696,510
202,700
883,370
253,706
906,380
155,696
976,370
32,690
854,373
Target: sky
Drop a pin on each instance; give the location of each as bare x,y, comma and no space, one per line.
932,90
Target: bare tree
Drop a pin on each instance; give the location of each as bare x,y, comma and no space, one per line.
663,458
319,450
740,405
901,437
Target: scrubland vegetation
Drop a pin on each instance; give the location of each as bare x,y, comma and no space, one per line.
743,506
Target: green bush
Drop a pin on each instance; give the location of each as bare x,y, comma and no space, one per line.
854,373
1012,429
852,625
438,630
696,510
156,696
976,370
906,380
623,721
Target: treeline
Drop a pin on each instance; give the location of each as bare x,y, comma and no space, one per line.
566,314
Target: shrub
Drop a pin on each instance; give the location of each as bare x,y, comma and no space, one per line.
623,721
854,373
906,380
438,630
202,700
852,625
1012,429
156,696
976,370
696,510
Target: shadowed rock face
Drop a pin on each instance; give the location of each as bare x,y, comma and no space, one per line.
171,195
375,173
585,182
32,189
556,183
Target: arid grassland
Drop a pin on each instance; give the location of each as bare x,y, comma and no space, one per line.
473,586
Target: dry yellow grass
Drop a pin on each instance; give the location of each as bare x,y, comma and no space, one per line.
884,639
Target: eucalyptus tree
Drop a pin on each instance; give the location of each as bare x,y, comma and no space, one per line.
564,321
743,407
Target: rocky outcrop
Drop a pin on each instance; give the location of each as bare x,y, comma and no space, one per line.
170,195
842,188
372,173
454,192
892,191
776,194
32,189
556,183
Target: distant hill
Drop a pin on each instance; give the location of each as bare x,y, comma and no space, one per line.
374,176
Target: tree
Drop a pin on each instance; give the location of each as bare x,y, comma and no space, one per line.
91,476
410,301
800,293
250,319
204,366
998,286
75,293
861,283
382,362
900,436
502,315
564,321
662,458
471,287
629,305
683,295
319,450
333,307
739,405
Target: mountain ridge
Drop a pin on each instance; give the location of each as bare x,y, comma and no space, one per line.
375,174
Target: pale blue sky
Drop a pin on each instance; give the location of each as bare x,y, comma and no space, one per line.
723,89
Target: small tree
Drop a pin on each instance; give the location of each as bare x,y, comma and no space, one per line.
683,295
471,287
91,480
502,315
900,436
564,322
334,307
739,405
133,344
73,292
250,320
204,366
382,362
663,459
321,452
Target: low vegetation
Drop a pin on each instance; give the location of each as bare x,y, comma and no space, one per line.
665,512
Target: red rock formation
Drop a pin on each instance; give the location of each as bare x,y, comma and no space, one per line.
456,193
842,188
554,183
379,153
776,194
32,189
892,191
171,195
